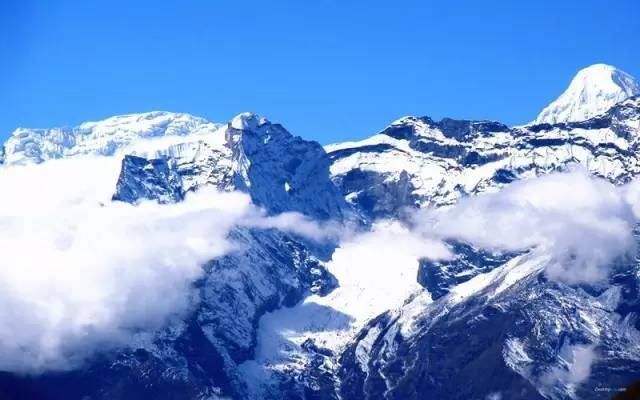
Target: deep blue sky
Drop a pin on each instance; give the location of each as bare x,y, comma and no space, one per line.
327,70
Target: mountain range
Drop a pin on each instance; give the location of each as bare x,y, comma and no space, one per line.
292,317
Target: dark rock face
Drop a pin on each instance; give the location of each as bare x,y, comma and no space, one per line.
441,366
460,130
377,197
464,129
283,172
437,149
148,179
439,276
504,176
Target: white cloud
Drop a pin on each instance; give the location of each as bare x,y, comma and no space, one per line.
376,271
584,223
575,365
583,357
80,273
301,225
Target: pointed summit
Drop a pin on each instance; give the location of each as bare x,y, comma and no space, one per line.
592,91
247,121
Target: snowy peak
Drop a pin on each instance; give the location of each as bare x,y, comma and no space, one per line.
247,121
103,137
277,168
246,128
592,91
281,172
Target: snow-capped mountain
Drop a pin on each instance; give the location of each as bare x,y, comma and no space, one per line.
184,152
417,161
249,154
592,91
287,317
104,137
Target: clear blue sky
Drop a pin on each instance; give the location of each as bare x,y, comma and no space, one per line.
327,70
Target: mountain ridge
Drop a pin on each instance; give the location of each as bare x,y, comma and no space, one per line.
477,298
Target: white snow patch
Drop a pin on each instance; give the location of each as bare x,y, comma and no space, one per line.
376,271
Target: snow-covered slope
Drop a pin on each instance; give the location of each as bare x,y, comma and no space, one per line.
509,333
592,91
417,161
301,340
99,138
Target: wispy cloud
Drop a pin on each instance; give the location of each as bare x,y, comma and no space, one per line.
583,223
575,365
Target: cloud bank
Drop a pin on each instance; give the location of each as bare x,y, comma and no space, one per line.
80,273
575,366
583,223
